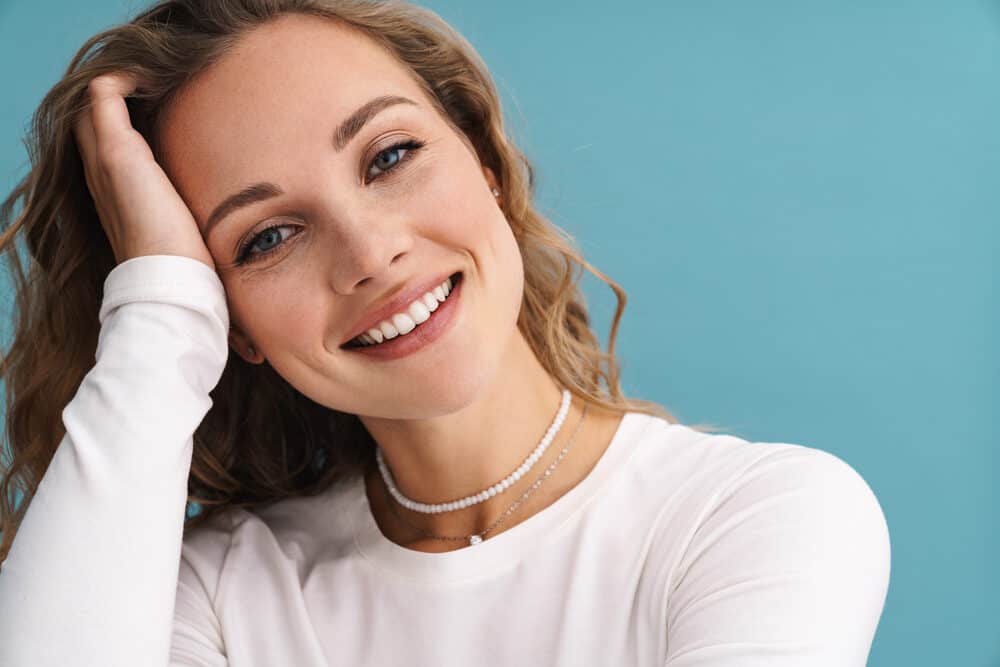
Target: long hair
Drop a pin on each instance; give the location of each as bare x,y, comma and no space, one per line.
253,447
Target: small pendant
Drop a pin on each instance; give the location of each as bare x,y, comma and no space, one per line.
475,539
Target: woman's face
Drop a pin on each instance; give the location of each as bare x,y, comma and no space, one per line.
355,223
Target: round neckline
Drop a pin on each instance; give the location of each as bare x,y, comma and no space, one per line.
497,553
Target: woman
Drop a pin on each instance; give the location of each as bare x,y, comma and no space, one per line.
323,307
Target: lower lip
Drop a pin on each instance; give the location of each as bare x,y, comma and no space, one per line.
426,332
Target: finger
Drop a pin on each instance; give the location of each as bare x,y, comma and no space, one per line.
86,143
83,131
110,117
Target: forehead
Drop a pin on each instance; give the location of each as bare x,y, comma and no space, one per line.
282,86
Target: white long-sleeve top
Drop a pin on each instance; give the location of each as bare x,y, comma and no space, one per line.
678,549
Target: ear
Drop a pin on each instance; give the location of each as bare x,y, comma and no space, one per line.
241,343
491,179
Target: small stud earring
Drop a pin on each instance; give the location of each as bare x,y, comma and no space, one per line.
251,351
496,193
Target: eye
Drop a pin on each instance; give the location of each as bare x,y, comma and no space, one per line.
268,236
388,159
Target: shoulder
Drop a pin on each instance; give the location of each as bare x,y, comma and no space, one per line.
724,471
717,498
793,485
246,541
806,501
775,543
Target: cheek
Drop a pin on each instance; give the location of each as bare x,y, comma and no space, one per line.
445,194
455,205
267,306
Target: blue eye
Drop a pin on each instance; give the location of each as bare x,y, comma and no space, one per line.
270,234
388,159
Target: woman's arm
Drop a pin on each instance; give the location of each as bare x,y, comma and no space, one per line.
789,568
92,574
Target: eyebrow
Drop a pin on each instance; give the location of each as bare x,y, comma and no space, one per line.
346,131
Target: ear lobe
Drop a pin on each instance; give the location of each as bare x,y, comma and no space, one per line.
242,345
491,178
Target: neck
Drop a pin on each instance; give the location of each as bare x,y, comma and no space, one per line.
451,456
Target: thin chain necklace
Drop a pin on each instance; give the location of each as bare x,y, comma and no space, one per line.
476,538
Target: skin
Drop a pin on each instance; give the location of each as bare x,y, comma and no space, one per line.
452,418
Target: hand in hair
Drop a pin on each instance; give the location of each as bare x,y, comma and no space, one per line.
139,208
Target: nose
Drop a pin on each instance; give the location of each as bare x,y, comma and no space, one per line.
367,251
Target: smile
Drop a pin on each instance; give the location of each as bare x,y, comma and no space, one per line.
395,343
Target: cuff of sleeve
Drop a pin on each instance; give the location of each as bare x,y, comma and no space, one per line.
165,278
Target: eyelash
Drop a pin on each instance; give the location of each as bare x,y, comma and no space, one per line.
245,257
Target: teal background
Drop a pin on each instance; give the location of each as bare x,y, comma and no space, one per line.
799,197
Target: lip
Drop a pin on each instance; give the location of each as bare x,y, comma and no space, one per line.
396,304
442,320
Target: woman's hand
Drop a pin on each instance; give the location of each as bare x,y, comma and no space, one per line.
139,208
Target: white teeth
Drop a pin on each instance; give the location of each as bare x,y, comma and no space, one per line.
418,311
403,323
388,330
430,302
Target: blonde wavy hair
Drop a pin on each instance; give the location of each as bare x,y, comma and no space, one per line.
253,447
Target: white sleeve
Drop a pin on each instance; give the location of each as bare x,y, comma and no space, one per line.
92,574
790,567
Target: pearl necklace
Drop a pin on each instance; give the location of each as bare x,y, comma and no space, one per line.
477,538
489,492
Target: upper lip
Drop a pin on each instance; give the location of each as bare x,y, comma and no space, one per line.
397,303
